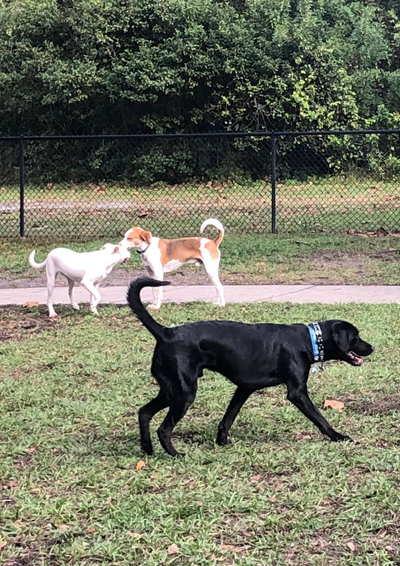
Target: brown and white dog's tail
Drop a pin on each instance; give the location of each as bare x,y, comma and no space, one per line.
33,262
217,224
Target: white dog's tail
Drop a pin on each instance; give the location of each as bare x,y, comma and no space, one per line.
217,224
33,262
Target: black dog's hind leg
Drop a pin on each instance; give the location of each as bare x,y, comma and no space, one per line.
298,395
239,398
146,413
178,406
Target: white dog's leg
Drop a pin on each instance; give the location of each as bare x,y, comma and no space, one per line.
212,268
51,276
95,295
71,284
155,274
157,291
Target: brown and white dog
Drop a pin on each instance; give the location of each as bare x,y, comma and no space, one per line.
161,255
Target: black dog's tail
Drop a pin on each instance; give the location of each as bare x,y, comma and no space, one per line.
133,298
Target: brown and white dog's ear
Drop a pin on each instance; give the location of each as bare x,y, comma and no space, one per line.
146,236
116,250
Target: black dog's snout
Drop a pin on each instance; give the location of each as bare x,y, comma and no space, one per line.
368,349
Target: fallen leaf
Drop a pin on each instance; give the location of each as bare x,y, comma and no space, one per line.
36,490
235,547
32,448
30,304
173,549
7,500
140,465
256,478
351,545
226,547
389,548
91,530
338,405
242,548
137,536
2,544
9,484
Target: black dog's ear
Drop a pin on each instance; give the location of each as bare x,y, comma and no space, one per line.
341,333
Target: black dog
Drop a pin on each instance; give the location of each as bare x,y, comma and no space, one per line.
252,356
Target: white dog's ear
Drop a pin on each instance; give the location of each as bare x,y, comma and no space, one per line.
146,236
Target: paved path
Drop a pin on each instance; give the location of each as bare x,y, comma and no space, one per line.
233,294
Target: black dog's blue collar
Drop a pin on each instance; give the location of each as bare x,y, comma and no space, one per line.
317,343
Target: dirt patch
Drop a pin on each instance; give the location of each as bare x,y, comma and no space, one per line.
16,324
377,402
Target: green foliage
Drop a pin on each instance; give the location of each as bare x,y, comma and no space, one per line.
130,66
83,66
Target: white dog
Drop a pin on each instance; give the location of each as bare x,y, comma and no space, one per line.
87,268
162,255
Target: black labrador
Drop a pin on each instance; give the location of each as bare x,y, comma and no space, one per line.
252,356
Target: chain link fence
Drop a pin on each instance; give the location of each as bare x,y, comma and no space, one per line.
80,188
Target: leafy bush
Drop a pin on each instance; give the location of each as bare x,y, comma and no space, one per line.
130,66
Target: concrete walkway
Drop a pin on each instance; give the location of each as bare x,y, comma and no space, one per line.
233,294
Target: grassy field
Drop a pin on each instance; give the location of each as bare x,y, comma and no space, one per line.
71,491
331,203
269,259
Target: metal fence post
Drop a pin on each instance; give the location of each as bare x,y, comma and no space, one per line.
21,187
273,184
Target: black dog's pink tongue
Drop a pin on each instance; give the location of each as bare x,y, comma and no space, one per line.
358,359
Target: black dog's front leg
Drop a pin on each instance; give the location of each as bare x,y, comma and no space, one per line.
298,395
239,398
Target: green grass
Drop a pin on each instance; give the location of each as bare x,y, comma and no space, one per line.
331,203
280,494
269,259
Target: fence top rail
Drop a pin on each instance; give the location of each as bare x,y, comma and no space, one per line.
264,134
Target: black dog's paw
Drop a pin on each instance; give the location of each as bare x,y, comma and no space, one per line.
177,454
148,448
341,438
223,439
